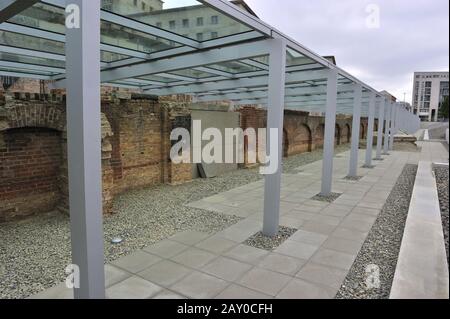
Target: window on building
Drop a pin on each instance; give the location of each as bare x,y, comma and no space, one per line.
428,84
151,9
185,23
199,21
199,36
214,35
135,3
158,24
172,24
215,20
143,6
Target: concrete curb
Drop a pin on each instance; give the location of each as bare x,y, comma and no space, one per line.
422,270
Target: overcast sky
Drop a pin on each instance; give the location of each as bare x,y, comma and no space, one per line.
413,36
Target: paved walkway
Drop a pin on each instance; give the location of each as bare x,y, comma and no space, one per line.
432,151
311,264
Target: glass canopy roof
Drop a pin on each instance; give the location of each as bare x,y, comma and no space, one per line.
210,49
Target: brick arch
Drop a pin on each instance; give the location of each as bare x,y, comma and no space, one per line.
305,138
362,131
31,161
319,134
337,135
347,134
36,115
285,143
39,128
299,140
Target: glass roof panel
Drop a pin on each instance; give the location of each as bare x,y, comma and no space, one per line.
50,18
31,60
42,16
31,43
158,79
25,71
123,37
189,18
234,67
294,58
192,73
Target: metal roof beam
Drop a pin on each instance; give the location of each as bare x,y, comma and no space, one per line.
10,8
260,81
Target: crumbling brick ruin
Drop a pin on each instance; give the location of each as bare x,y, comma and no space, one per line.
135,145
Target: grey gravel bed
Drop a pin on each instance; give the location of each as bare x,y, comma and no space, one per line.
328,198
34,252
382,245
270,243
441,173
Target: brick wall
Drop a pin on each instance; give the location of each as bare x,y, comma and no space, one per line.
135,148
29,174
301,132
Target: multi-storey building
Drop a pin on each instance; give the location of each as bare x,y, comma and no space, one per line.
429,91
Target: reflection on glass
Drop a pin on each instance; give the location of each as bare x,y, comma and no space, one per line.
294,58
120,36
184,17
31,43
42,16
50,18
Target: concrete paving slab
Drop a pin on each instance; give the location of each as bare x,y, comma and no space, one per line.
200,286
264,281
166,248
300,289
238,292
227,269
194,258
323,275
165,273
133,288
136,261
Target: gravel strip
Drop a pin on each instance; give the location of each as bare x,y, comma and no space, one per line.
441,173
34,252
270,243
353,178
329,198
382,245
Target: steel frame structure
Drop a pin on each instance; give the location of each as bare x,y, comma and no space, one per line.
315,84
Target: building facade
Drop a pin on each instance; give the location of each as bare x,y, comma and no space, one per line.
429,91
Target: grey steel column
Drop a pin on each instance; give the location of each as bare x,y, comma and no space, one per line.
330,127
84,149
369,148
353,169
386,129
380,128
393,127
275,115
